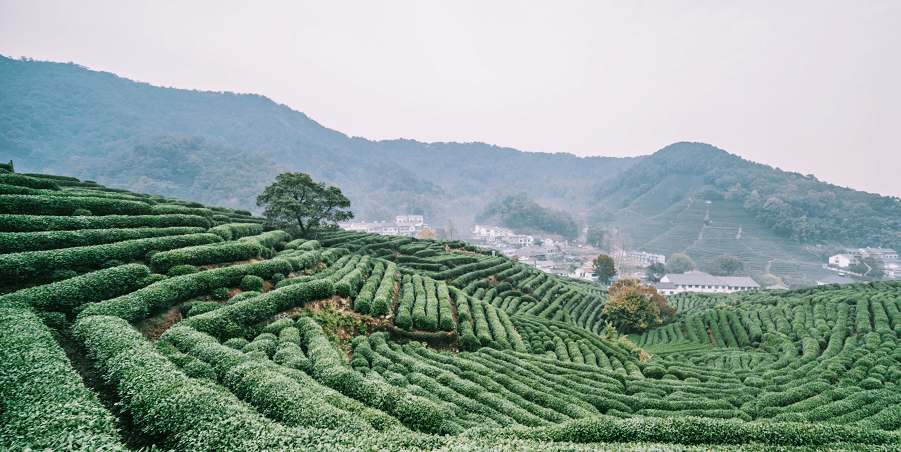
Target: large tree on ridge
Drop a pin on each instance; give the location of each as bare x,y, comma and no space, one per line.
295,198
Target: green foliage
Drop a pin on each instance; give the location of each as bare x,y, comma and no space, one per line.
139,304
37,223
252,283
295,198
519,212
17,242
73,292
722,265
180,270
595,235
679,263
235,231
45,403
241,250
30,265
655,271
220,293
604,268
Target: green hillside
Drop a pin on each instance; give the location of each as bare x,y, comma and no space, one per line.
698,200
130,321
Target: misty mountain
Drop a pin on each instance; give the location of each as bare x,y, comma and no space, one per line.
222,148
67,119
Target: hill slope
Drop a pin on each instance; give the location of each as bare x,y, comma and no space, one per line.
255,330
696,199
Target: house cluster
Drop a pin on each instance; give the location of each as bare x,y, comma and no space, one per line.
493,235
698,281
403,225
891,265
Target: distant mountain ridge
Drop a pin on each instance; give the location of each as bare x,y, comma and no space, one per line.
67,119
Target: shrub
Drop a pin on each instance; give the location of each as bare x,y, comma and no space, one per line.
202,308
45,402
190,413
21,180
205,254
28,265
76,291
252,283
226,322
56,205
220,293
82,213
37,223
330,370
59,275
17,242
138,305
381,303
180,270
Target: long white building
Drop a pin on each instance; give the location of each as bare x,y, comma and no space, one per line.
697,281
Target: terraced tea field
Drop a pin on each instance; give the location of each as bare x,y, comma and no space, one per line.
704,229
130,321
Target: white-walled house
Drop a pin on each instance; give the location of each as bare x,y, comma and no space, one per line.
843,260
697,281
416,220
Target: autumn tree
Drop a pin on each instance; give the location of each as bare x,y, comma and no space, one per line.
604,268
294,198
635,306
679,263
426,234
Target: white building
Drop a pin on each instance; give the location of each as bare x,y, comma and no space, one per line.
843,260
416,220
646,258
697,281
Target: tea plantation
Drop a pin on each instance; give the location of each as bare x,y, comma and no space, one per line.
132,322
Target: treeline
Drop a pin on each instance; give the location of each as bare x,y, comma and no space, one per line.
520,213
188,167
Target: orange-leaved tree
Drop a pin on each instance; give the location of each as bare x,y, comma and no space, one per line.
426,234
636,306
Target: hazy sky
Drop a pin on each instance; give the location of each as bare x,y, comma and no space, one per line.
807,86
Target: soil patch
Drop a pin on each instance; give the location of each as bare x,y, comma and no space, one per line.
155,326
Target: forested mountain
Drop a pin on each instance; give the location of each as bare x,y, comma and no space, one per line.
67,119
222,148
696,199
522,214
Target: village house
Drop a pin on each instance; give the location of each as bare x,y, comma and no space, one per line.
416,220
880,253
698,281
646,258
843,260
403,225
585,272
